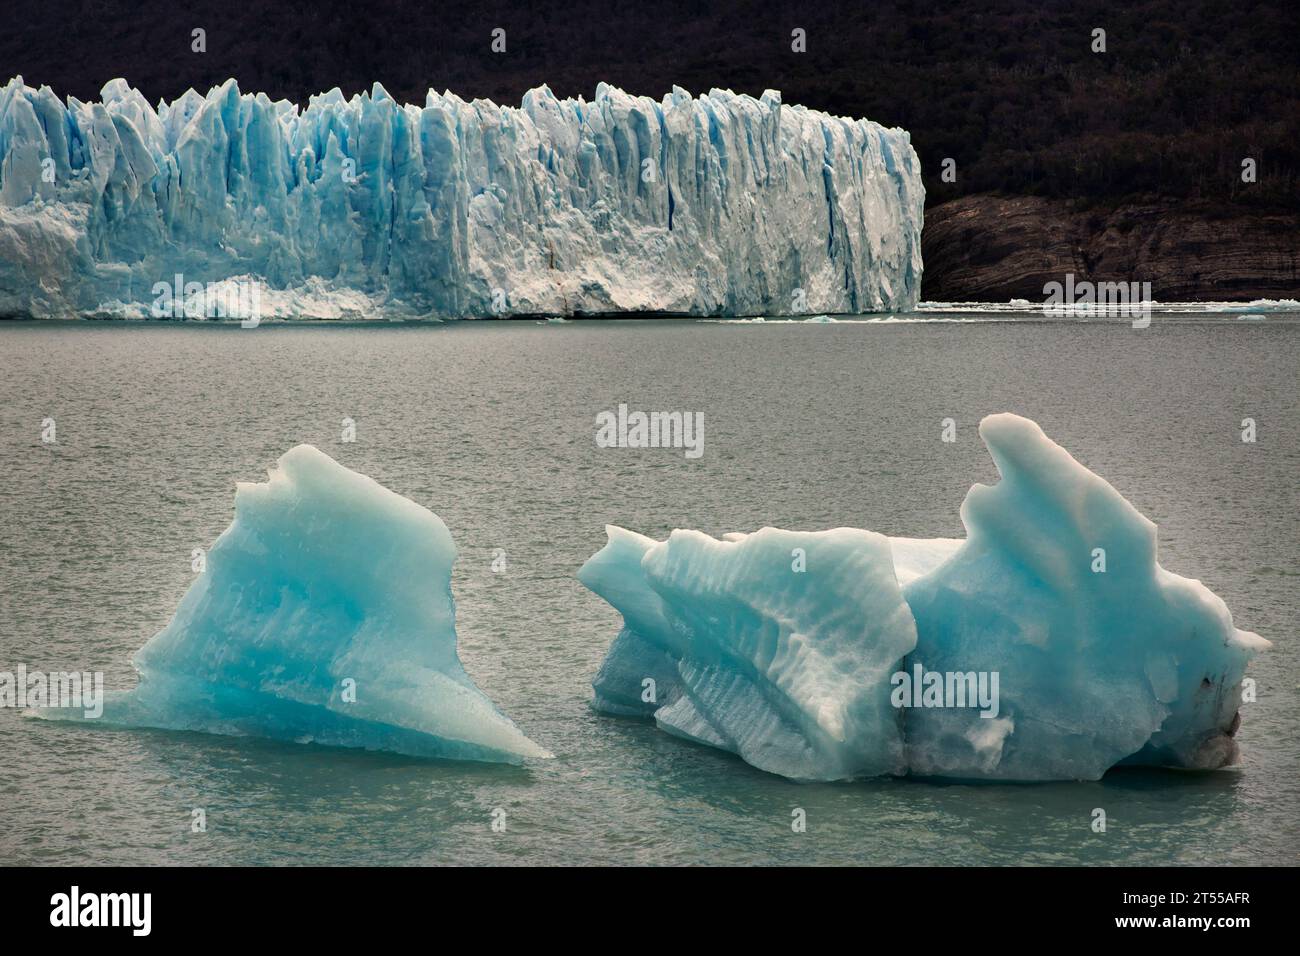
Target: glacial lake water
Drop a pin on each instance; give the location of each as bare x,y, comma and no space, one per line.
491,425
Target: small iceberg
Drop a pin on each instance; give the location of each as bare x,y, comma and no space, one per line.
1049,644
324,615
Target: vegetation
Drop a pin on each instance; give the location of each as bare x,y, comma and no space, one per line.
1009,89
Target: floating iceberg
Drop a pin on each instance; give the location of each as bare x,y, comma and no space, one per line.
717,205
811,655
324,615
724,645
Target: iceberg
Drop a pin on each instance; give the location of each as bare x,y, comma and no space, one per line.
324,615
720,204
722,644
798,650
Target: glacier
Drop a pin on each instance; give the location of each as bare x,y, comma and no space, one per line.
324,615
788,648
359,207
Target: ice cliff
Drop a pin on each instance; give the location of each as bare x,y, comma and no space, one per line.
717,205
791,648
324,615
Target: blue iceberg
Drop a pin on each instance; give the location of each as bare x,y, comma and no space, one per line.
324,615
725,645
720,204
1049,644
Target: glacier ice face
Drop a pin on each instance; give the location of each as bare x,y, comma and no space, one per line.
792,662
324,615
717,205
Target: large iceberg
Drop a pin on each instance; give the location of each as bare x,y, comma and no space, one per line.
324,615
716,205
836,654
723,644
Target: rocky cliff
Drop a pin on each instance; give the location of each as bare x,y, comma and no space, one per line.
994,248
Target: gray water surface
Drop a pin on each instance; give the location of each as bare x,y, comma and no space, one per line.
491,425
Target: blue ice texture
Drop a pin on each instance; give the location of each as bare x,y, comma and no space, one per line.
324,615
786,647
363,207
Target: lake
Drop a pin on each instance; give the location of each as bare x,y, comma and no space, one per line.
491,425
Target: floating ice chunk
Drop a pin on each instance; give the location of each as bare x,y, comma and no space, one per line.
639,674
1103,654
772,645
324,615
914,557
792,668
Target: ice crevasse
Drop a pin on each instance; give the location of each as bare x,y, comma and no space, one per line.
800,666
720,204
324,615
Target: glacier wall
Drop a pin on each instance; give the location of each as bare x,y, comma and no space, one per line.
716,205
